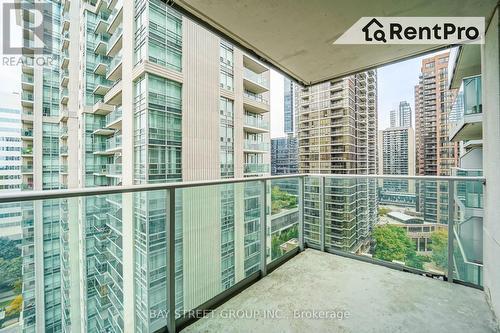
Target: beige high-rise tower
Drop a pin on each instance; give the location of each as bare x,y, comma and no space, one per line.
337,133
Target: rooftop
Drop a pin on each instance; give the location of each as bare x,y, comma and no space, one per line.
371,297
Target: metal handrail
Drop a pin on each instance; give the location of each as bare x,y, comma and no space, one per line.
77,192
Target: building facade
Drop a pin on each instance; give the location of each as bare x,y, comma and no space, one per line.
337,133
10,169
289,119
284,155
136,93
435,154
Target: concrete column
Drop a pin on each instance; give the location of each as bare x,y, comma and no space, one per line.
490,54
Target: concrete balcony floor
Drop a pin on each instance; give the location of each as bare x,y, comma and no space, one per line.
377,299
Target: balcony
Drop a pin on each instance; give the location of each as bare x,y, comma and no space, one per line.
27,152
63,132
27,134
116,17
27,81
114,119
256,146
468,111
256,168
115,42
27,99
256,103
101,66
255,82
64,96
27,169
255,124
63,150
101,85
115,68
333,253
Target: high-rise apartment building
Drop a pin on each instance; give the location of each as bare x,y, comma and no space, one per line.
337,133
284,155
10,169
136,93
288,106
397,157
402,116
435,154
398,151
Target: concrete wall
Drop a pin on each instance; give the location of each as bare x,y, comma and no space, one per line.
491,134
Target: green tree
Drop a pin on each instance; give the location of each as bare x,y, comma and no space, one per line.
392,243
382,211
439,247
10,271
281,200
15,306
283,237
8,249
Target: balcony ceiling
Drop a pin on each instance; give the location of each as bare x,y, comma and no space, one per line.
297,36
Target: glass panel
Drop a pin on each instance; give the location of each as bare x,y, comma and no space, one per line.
468,232
282,217
218,240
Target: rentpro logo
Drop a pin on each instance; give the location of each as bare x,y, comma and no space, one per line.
415,30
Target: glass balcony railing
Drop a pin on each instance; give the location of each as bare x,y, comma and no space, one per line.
257,78
27,96
27,151
256,122
113,116
256,97
114,142
256,168
27,168
116,35
27,132
26,78
256,145
249,227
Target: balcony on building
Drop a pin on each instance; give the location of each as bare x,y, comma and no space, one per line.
114,94
114,72
27,151
114,119
64,96
63,150
65,41
27,81
102,108
102,23
115,42
254,123
27,169
101,85
102,65
64,78
116,16
27,134
256,103
468,109
27,99
63,132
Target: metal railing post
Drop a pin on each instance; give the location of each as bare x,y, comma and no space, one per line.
263,230
322,213
171,261
301,213
451,222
